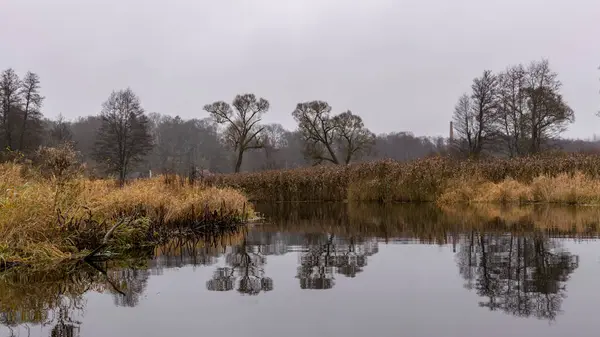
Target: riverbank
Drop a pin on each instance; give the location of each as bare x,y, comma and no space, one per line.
551,178
47,219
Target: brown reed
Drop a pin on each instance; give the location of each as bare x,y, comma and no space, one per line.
525,179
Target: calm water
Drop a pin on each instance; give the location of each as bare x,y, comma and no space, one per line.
335,270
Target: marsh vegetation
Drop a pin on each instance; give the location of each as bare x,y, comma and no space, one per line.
547,178
50,212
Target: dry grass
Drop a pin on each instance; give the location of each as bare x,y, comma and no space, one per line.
524,180
565,188
42,219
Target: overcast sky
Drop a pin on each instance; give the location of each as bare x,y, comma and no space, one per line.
400,64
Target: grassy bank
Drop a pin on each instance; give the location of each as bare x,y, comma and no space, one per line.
49,218
569,179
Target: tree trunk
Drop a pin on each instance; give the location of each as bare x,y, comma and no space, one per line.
25,116
7,130
122,174
238,163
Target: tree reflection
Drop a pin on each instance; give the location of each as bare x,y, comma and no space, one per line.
521,275
129,285
65,326
245,267
326,255
47,297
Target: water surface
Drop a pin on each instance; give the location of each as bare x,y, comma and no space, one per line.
334,270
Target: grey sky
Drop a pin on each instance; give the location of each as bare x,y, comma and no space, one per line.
401,64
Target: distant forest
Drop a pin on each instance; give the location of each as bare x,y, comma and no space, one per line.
516,112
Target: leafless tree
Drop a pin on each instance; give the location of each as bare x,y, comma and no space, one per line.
548,113
355,140
124,136
484,96
318,130
242,126
273,139
464,125
475,116
326,137
61,131
32,102
10,103
512,109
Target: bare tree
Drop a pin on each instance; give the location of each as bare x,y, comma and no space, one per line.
61,131
318,130
521,106
273,139
326,137
512,109
10,103
32,102
464,125
355,140
475,116
124,136
548,113
242,126
484,96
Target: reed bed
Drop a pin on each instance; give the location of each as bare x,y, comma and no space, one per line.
44,219
550,178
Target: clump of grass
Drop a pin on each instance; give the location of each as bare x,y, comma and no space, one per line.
50,212
518,180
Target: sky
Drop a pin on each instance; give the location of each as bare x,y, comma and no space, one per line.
400,64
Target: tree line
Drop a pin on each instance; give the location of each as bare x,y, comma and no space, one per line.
512,113
516,112
123,138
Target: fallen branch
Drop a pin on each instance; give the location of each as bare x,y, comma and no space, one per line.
104,241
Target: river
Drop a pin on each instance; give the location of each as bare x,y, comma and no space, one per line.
334,270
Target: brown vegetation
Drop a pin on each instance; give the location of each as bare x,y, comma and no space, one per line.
51,212
549,178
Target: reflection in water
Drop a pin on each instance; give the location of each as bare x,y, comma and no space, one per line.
245,267
47,298
326,255
522,275
129,287
65,326
514,264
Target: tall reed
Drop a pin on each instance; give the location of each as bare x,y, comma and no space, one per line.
526,179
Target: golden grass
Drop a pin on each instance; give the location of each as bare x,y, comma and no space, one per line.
32,230
555,178
573,189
